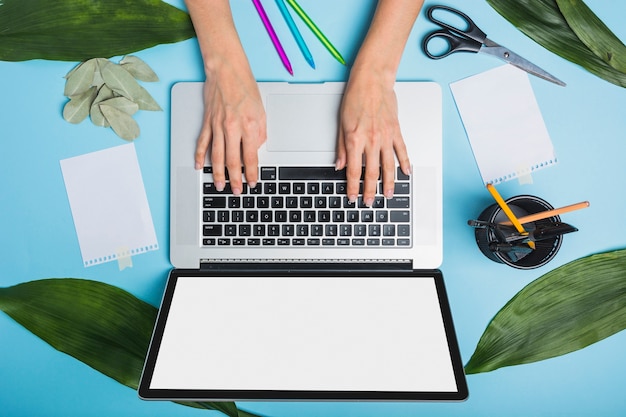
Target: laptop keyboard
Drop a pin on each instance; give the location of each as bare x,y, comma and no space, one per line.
304,206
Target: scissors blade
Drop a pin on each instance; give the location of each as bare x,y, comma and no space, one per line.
512,58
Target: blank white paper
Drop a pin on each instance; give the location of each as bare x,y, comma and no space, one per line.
503,123
109,205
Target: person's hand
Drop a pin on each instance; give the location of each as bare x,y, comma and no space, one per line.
234,127
369,132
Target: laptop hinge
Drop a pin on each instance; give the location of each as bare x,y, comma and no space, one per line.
251,265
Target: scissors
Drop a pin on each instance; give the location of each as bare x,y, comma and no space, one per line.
472,39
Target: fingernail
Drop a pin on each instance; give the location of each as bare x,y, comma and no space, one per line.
198,165
252,184
236,191
369,202
389,194
352,199
219,186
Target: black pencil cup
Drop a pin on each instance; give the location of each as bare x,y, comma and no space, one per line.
491,240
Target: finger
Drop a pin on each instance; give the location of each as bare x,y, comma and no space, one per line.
217,160
233,161
250,163
354,166
388,164
402,154
340,162
372,172
202,146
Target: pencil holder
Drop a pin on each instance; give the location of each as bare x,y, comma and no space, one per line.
504,244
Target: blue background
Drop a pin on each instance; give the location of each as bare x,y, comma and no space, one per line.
587,124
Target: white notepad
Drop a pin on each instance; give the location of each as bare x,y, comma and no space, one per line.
504,124
109,205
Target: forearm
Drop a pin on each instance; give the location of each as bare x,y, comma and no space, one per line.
382,48
217,36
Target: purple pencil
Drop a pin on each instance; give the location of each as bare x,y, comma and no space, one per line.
273,37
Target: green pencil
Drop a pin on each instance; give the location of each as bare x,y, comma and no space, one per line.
318,33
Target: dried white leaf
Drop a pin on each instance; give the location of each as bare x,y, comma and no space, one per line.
80,79
77,109
123,104
120,80
105,93
138,69
121,123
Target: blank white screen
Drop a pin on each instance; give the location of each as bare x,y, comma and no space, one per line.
305,333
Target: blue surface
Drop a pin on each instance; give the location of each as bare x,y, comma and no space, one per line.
587,126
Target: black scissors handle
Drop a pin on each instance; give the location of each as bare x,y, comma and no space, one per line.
452,44
471,31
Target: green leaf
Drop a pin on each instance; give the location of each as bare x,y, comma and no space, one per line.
77,30
101,325
77,109
81,78
543,22
594,33
122,124
138,69
567,309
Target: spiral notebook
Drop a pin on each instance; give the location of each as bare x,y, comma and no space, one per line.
504,124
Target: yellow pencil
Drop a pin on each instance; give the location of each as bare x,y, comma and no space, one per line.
549,213
509,214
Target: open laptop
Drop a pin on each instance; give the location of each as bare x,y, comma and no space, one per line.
288,291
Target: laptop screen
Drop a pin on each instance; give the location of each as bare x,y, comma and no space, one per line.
327,336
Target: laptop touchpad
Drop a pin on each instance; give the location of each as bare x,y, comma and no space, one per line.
302,122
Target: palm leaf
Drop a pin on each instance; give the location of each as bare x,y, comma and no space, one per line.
76,30
567,309
101,325
543,22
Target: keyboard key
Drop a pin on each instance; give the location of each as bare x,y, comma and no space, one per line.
313,188
268,173
266,216
401,176
404,230
284,188
402,188
270,188
399,216
234,202
208,216
278,202
299,188
398,202
214,202
311,173
212,230
262,202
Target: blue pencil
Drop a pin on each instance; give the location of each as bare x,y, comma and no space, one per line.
296,33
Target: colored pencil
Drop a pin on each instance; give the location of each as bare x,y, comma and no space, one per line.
272,34
509,214
296,33
549,213
316,31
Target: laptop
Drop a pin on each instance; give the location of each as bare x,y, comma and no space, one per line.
289,291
